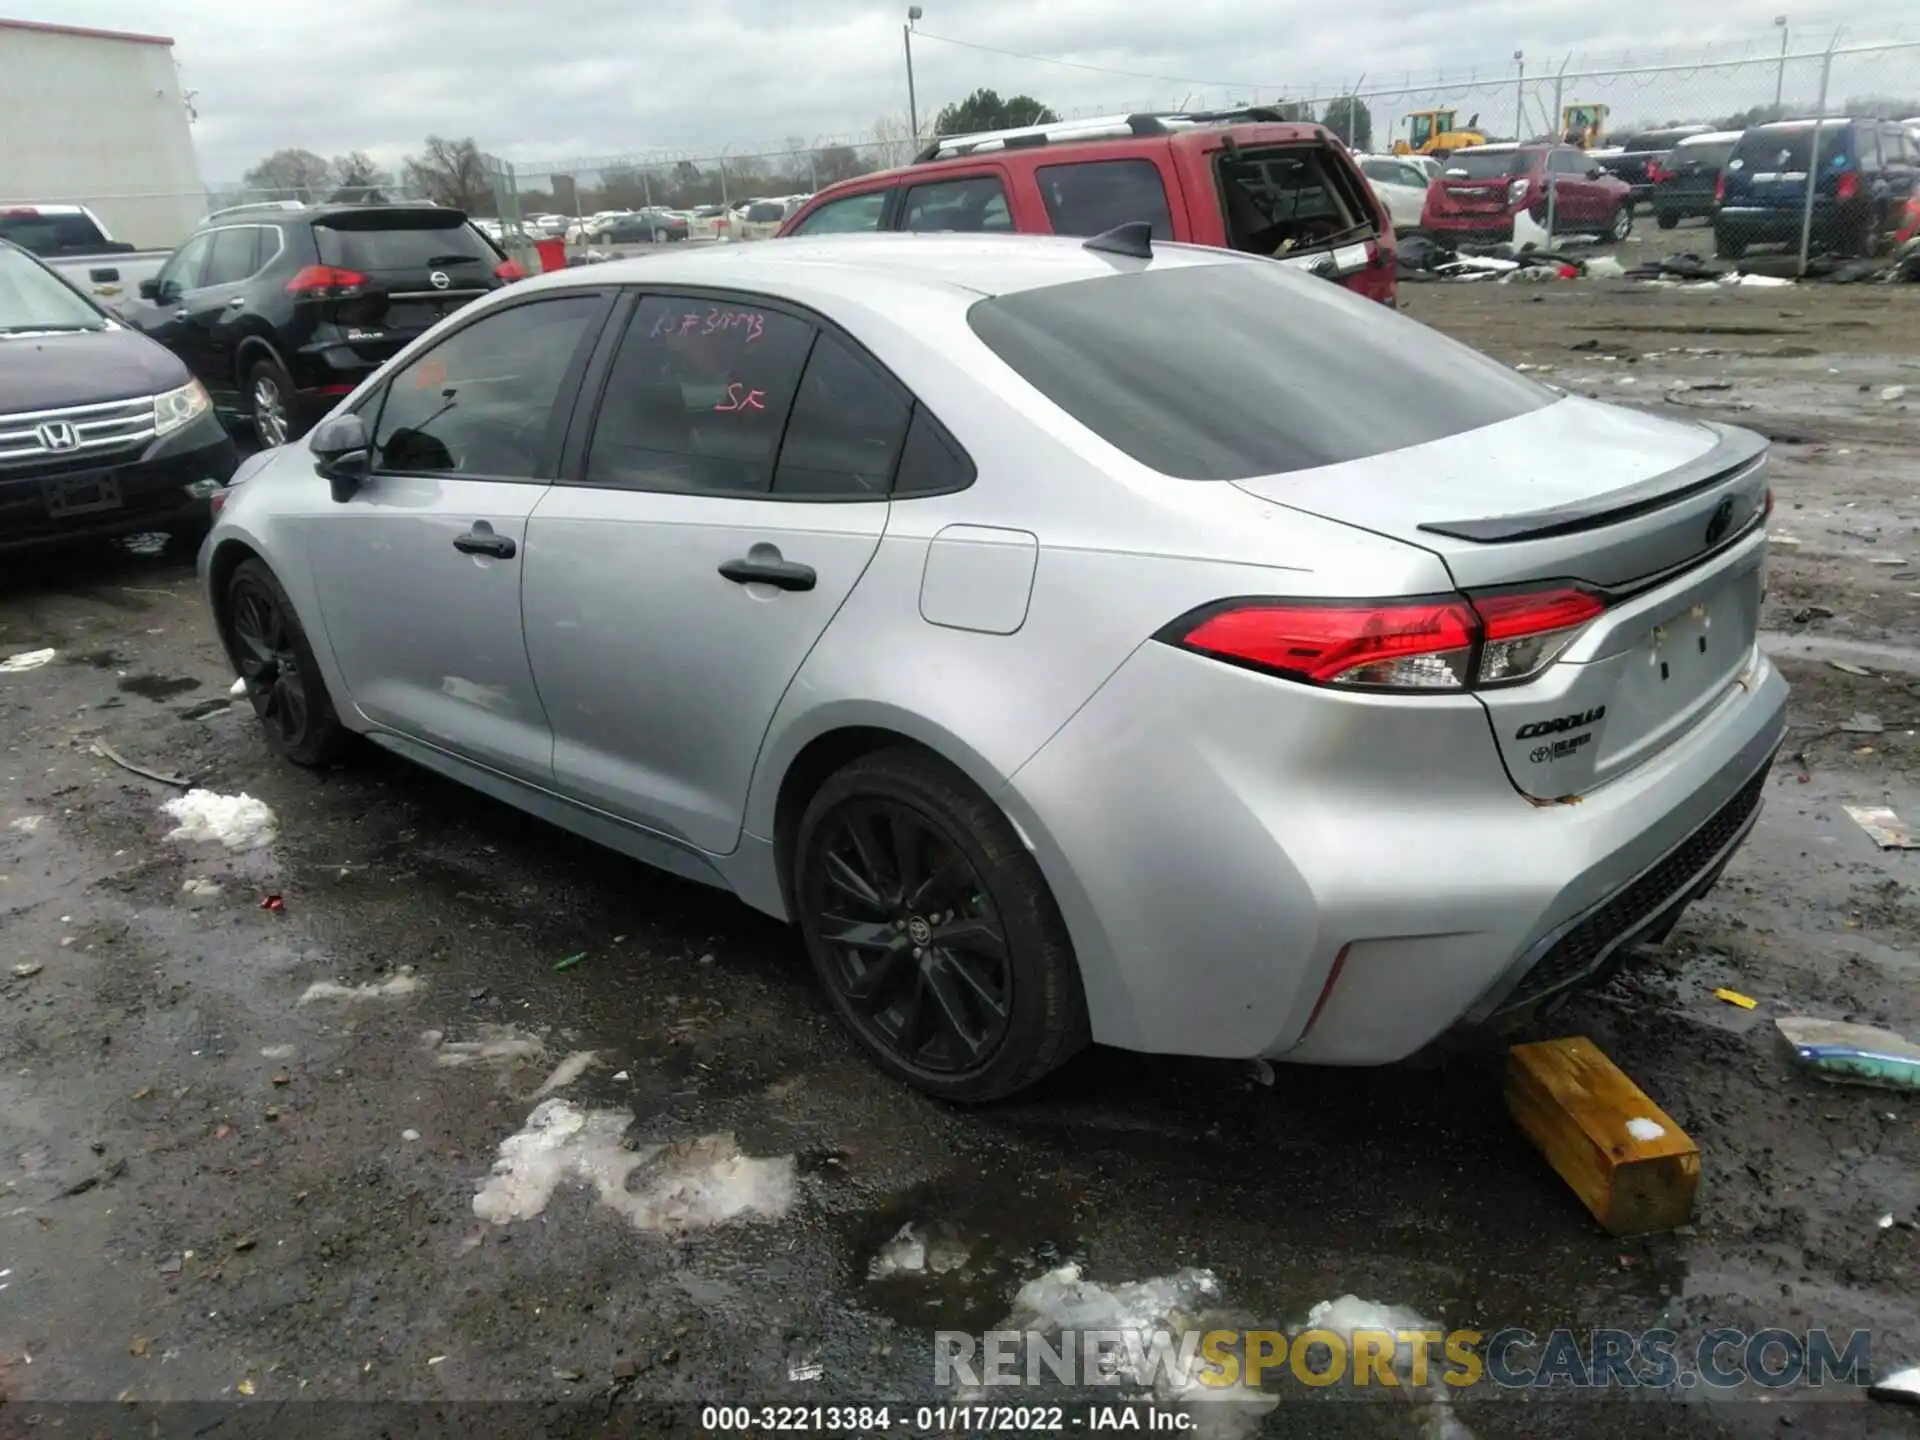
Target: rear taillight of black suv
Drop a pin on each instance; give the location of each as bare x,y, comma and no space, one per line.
327,282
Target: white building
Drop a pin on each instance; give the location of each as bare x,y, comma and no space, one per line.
96,118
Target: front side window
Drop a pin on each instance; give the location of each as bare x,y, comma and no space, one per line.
1093,197
235,254
482,401
1569,162
697,397
972,205
856,214
183,271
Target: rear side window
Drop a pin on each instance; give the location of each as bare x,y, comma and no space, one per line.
697,398
1773,149
931,462
1477,165
843,438
766,212
1707,157
235,254
978,203
49,234
1093,197
1227,371
854,215
436,242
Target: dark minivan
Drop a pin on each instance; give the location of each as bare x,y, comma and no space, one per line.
281,314
102,432
1685,180
1865,171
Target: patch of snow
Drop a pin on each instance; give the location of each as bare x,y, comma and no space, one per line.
1640,1128
1605,267
806,1370
238,690
25,660
1764,282
500,1047
409,1135
914,1252
201,889
392,988
568,1071
277,1052
1350,1313
26,824
1893,392
238,822
687,1185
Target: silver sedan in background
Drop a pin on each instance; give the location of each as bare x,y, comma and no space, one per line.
1075,640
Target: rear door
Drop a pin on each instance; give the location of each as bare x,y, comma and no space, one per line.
971,200
730,494
1091,197
414,267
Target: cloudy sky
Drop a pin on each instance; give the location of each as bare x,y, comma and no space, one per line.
537,80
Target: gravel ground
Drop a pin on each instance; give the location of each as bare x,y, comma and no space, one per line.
217,1181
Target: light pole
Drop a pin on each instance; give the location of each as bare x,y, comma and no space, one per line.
1520,96
913,106
1780,75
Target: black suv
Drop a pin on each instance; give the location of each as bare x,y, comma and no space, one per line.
280,314
1636,151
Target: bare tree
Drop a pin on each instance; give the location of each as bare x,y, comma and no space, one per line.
893,141
358,179
452,172
291,175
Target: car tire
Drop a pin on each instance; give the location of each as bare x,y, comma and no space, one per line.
889,851
270,652
271,403
1620,224
1727,246
1666,219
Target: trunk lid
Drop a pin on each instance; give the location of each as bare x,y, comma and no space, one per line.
1473,197
417,265
1662,517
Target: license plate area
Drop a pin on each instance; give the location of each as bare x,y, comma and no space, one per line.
81,495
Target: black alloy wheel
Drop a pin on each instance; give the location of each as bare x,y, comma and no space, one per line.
933,931
271,654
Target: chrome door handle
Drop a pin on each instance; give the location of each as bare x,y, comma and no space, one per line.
237,301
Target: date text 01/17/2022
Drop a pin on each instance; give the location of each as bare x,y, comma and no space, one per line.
941,1419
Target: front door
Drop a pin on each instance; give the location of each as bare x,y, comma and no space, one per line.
165,315
208,332
419,572
731,494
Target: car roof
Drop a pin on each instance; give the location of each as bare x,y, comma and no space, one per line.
1712,137
849,265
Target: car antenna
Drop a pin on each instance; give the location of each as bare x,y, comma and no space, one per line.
1134,239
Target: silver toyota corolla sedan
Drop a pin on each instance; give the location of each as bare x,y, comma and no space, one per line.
1075,640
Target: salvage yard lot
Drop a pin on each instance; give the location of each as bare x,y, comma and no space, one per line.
217,1179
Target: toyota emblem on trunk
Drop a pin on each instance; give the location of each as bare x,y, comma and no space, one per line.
438,279
58,435
1721,522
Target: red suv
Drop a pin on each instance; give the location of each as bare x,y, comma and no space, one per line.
1243,180
1484,187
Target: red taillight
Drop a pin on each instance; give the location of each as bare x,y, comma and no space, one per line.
1447,642
1847,186
216,500
509,270
1654,173
327,282
1720,190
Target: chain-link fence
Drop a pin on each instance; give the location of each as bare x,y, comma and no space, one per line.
1601,99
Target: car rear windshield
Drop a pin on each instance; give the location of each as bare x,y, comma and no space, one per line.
1469,165
401,244
50,234
1227,371
1714,153
1787,147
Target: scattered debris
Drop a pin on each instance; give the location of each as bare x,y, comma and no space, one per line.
107,752
238,690
1886,1222
621,1075
139,1345
25,660
200,888
687,1185
26,970
806,1370
395,986
238,822
1862,722
409,1135
94,1181
500,1047
1734,997
1263,1073
568,1071
1902,1387
1851,1054
245,1387
272,902
277,1052
1846,667
912,1251
1350,1314
1893,392
570,961
1886,829
1642,1128
26,824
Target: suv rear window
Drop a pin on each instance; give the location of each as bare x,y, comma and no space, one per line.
1092,197
1474,165
1775,148
1227,371
400,243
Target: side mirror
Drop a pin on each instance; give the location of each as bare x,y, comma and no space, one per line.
343,452
149,289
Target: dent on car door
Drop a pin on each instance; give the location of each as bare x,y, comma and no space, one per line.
728,498
419,572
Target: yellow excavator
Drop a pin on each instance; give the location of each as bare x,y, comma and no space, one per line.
1582,124
1431,132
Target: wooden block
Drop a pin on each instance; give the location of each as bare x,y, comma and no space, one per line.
1624,1157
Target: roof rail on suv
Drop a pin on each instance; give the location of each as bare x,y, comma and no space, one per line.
1105,127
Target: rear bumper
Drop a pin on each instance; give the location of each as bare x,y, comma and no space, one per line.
1254,868
1775,224
163,487
1473,229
